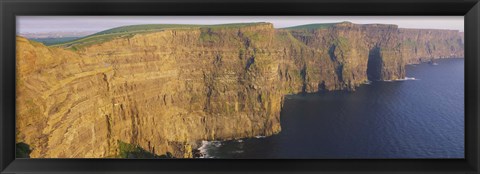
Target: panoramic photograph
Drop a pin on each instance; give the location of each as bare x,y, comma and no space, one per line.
240,87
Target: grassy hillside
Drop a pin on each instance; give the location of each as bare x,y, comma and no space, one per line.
53,41
311,26
128,31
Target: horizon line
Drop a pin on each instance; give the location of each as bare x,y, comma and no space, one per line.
256,22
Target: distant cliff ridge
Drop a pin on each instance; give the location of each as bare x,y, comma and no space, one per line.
166,89
424,45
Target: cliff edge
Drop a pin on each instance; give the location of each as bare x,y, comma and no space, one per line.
166,89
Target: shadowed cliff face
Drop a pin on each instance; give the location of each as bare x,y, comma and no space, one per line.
344,52
164,91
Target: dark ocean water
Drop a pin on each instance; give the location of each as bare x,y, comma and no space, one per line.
421,118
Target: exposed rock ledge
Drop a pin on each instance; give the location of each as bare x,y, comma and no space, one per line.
165,90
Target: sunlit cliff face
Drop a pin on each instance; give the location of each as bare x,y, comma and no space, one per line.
165,91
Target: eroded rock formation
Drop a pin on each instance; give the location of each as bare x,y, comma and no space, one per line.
165,91
424,45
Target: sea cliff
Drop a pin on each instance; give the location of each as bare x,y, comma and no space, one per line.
165,91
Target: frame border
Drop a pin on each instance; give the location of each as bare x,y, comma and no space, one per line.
11,8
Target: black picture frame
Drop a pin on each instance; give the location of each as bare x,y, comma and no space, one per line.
11,8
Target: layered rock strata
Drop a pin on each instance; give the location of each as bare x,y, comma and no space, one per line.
164,91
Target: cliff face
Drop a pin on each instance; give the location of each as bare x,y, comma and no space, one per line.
166,90
347,55
162,91
421,45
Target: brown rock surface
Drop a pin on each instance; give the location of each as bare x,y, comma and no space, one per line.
421,45
164,91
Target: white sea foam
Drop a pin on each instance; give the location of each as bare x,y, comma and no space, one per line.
203,149
404,79
205,146
240,141
407,78
259,136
